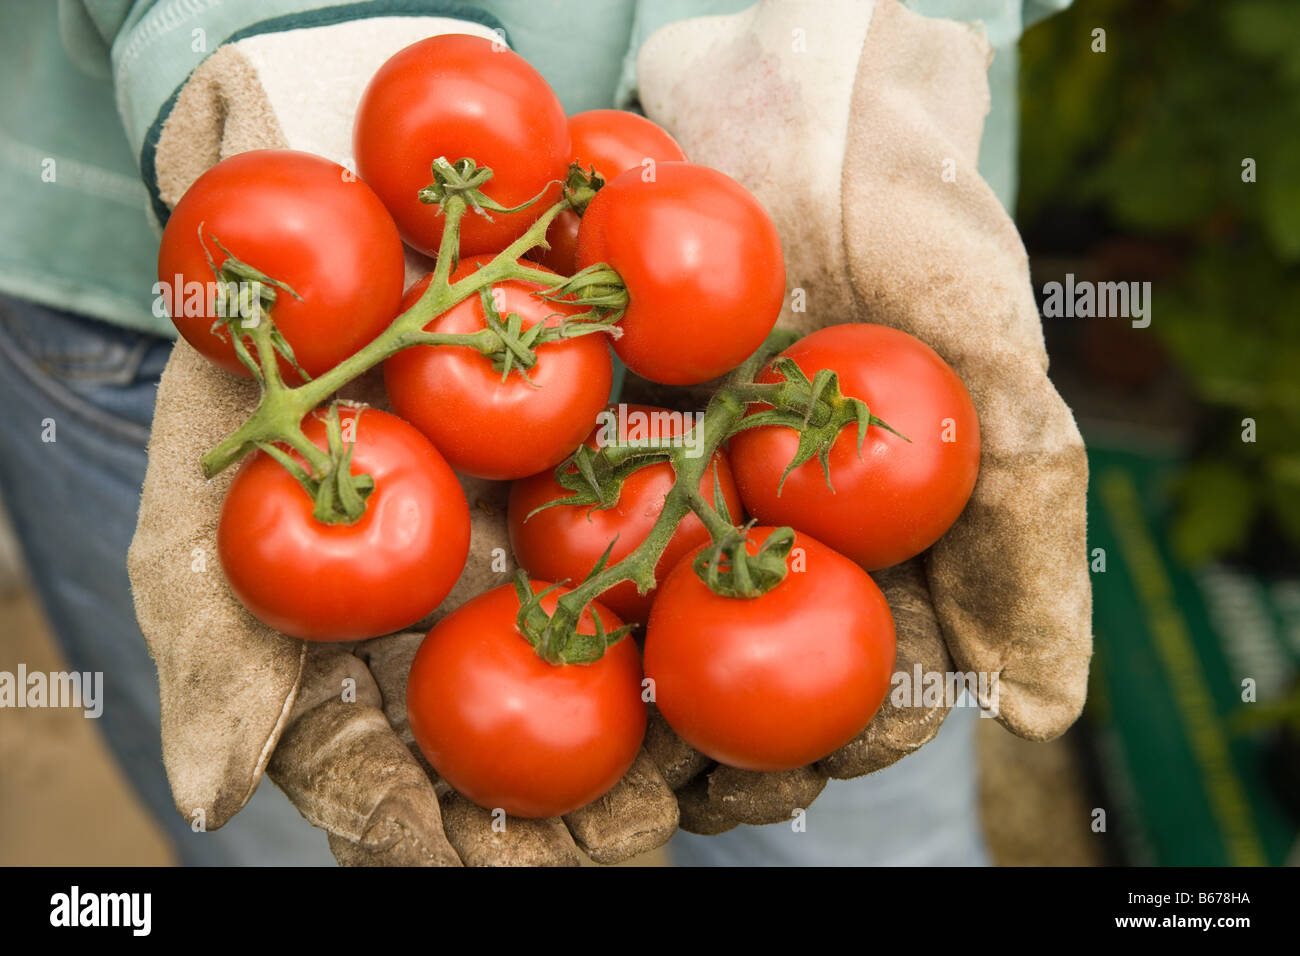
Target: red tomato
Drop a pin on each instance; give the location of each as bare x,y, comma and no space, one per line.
460,96
302,220
487,427
347,582
702,264
613,141
507,729
778,681
898,498
564,543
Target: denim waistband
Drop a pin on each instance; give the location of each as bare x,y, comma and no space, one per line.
99,371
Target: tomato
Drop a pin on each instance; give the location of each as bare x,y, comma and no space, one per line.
612,141
564,543
460,96
777,681
482,425
302,220
899,497
347,582
507,729
703,267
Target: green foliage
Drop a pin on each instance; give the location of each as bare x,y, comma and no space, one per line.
1153,134
1219,503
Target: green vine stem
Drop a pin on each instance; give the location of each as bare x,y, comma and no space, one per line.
554,636
281,408
813,407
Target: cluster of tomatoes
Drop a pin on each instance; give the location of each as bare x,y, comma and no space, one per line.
771,678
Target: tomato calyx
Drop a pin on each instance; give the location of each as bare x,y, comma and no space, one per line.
581,186
555,636
728,569
816,408
340,496
243,300
511,347
465,179
595,476
597,287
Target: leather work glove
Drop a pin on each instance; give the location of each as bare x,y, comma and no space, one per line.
857,125
239,698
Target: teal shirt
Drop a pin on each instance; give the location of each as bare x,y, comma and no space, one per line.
85,80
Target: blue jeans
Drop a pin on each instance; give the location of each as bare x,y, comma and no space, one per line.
922,811
73,504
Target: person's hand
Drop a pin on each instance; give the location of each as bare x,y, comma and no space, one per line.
326,721
858,127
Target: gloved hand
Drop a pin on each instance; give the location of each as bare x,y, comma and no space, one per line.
328,722
857,125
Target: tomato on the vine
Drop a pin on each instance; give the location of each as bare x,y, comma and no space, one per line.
612,142
341,582
899,496
703,267
488,427
564,542
458,96
777,681
301,220
509,730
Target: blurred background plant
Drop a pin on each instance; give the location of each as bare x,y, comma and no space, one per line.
1133,166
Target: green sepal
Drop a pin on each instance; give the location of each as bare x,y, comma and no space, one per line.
513,348
516,351
818,410
593,480
236,316
555,637
339,496
728,569
597,288
466,178
581,185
